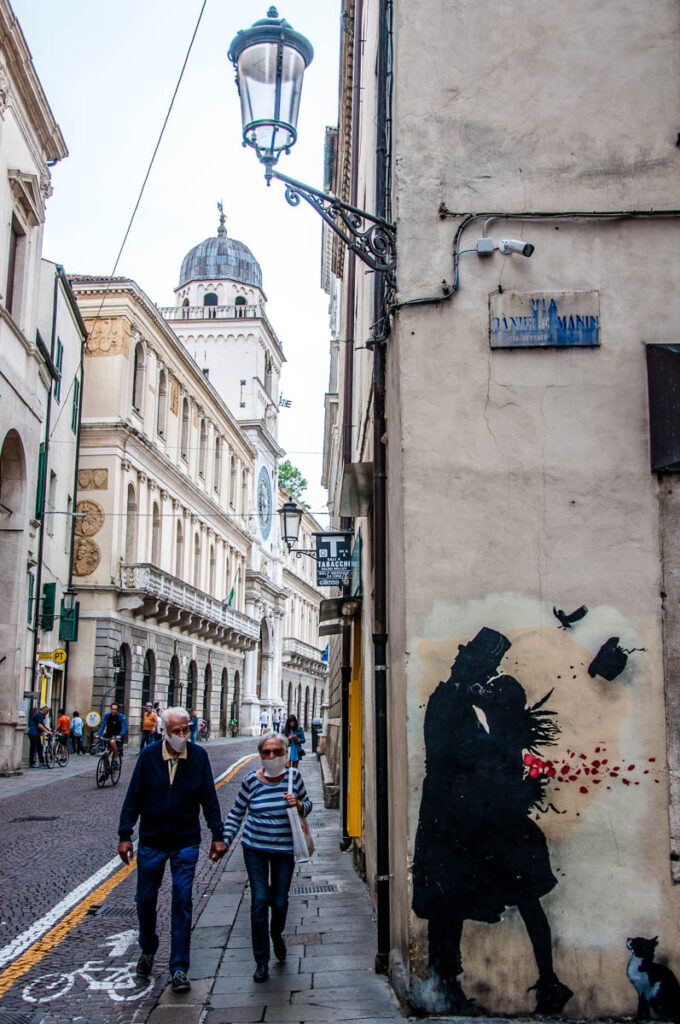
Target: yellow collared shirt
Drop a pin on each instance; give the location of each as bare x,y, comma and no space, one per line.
169,756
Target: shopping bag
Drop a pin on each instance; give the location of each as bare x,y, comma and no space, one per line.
303,843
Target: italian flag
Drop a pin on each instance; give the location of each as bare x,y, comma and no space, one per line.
230,599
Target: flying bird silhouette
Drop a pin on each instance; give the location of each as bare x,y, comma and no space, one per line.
566,620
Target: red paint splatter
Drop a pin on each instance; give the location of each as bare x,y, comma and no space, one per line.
596,764
596,782
626,782
583,789
652,759
631,767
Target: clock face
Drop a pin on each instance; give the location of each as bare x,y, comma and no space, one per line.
264,502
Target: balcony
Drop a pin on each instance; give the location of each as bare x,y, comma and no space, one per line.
150,593
211,312
302,656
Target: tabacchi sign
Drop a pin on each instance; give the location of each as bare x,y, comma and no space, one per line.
333,558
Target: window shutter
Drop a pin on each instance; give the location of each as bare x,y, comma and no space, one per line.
663,386
68,623
40,489
49,596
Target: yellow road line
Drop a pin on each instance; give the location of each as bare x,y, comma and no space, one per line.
55,935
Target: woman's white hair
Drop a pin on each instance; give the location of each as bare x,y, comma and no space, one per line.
174,713
283,740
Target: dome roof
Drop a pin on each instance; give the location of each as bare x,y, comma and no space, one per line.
221,258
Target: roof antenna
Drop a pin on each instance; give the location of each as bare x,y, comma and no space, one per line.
221,229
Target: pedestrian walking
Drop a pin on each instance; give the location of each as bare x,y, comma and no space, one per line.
276,719
296,739
149,720
171,783
193,726
158,711
267,844
77,729
63,728
264,722
37,728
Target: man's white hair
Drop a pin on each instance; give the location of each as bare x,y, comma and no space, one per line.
174,713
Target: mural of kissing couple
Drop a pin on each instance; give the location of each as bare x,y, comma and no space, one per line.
479,848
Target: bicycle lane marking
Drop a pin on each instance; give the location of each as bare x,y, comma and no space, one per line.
29,948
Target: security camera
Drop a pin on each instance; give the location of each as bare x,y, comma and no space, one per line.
509,245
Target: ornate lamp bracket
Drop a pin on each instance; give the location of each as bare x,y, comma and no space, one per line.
372,239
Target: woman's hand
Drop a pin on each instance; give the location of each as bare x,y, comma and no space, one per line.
292,800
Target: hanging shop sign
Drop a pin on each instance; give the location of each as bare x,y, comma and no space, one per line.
333,558
544,319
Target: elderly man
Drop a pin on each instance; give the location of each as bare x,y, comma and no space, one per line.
171,782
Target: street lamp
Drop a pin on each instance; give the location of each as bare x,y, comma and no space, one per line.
270,59
291,516
69,599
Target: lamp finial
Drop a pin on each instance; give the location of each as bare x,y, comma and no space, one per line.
272,13
221,231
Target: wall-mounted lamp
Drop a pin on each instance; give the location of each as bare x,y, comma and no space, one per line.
270,59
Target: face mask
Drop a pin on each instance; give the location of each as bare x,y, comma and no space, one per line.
178,743
273,766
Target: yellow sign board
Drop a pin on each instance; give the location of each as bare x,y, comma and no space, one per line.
58,656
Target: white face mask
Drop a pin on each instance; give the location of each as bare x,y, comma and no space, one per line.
178,743
273,766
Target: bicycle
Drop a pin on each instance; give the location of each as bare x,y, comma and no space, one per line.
203,733
54,752
108,767
99,976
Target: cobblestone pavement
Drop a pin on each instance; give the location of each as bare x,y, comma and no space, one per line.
55,836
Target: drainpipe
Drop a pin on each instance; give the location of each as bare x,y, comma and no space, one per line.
346,522
380,634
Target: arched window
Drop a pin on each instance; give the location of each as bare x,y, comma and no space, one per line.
244,492
131,526
155,535
217,465
289,702
314,704
268,375
232,483
121,677
236,702
192,674
202,448
207,692
148,677
305,721
173,676
179,551
138,377
210,299
211,572
185,309
197,561
224,686
240,304
162,411
184,439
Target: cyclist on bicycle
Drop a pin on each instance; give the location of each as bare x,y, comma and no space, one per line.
114,729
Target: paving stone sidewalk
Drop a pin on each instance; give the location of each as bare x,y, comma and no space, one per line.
330,933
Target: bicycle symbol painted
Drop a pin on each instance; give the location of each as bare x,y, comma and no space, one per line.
114,979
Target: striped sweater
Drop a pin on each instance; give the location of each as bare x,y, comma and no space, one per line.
267,826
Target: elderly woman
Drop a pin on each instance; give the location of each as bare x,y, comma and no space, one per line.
267,843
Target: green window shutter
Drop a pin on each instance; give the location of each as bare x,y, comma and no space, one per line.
49,597
75,406
40,489
68,623
31,588
58,362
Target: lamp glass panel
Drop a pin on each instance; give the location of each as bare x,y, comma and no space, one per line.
270,106
291,523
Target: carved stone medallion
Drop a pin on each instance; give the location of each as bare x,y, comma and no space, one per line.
93,479
86,557
92,520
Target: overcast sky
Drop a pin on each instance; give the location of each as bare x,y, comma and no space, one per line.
109,70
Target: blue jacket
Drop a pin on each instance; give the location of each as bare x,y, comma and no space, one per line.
169,814
123,722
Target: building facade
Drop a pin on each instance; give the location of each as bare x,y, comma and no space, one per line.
518,418
30,142
178,562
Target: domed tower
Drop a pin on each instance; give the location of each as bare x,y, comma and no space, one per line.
220,318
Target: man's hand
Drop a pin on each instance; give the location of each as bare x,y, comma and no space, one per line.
291,800
125,851
217,850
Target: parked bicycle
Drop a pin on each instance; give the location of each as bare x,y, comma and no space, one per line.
108,766
203,731
54,751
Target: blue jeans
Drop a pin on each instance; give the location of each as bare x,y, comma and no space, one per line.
147,737
150,869
263,895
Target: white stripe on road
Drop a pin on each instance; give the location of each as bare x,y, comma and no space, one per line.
35,931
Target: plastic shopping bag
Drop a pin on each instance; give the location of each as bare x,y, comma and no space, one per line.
303,844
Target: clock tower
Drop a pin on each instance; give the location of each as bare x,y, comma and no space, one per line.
220,317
